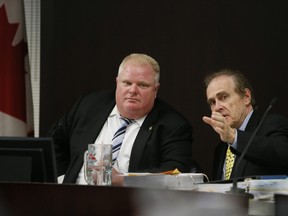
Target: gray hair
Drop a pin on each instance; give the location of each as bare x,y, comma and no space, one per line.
241,82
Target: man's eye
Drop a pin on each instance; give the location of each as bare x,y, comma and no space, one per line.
211,103
143,85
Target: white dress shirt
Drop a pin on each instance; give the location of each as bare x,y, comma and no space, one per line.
105,137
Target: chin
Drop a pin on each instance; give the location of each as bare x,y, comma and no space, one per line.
132,108
229,121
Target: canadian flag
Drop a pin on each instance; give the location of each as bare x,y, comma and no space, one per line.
16,110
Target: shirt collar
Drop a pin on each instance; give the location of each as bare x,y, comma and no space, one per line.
116,112
246,120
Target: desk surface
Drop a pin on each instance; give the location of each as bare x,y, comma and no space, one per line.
60,199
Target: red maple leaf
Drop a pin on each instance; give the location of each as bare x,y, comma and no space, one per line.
12,70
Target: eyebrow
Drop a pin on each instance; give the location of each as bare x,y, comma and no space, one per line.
209,101
217,95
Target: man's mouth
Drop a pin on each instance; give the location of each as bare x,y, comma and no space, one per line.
132,99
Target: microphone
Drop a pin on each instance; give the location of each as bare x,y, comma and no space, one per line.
234,189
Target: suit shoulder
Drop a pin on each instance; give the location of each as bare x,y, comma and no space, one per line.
272,120
167,110
277,118
95,99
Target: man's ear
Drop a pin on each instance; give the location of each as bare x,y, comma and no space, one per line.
247,96
156,89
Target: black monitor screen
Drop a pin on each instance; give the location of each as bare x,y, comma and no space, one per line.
27,159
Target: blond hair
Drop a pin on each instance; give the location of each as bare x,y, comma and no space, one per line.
142,59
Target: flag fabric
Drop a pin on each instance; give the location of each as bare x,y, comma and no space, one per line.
16,110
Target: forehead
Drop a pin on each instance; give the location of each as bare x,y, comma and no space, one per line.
137,70
219,85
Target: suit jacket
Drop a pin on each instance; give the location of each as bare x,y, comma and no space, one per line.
164,141
267,154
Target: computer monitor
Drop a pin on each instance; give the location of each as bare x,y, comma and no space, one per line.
27,159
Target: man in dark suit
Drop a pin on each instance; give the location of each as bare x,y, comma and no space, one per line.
234,118
159,139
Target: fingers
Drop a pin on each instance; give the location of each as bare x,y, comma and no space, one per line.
207,120
218,122
117,178
217,117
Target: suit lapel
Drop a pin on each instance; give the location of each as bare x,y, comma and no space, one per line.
96,124
142,138
252,124
219,161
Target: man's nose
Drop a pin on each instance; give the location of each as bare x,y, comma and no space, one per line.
133,88
217,106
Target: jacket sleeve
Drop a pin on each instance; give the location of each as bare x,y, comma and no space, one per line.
61,132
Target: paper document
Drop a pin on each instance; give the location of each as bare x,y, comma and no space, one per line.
182,181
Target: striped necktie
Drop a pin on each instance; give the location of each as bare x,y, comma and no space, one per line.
229,163
118,137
